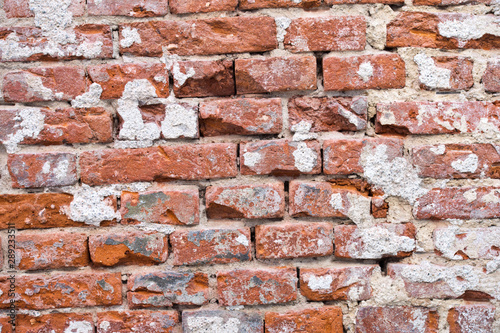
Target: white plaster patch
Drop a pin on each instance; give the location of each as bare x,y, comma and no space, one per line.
282,23
439,150
469,28
129,37
242,239
320,282
378,241
32,121
301,131
88,99
199,324
336,201
179,121
351,117
474,243
305,158
250,159
104,325
430,75
387,118
79,327
470,195
469,164
359,209
365,71
493,266
491,197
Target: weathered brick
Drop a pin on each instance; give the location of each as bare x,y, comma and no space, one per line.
350,283
210,246
40,292
6,324
342,156
204,36
21,8
55,322
51,251
380,241
128,248
31,44
242,116
329,113
459,244
196,6
257,4
293,240
442,30
444,73
214,320
340,33
178,206
491,77
326,319
471,318
427,280
257,286
449,2
114,78
135,8
280,158
203,78
261,75
42,210
160,289
396,319
457,161
42,170
341,2
61,83
204,161
437,117
246,201
137,321
379,71
459,203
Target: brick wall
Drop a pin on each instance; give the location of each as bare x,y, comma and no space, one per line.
249,166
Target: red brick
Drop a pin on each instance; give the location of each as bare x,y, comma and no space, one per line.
210,246
471,318
437,117
55,322
280,158
341,2
178,206
449,2
196,6
442,30
293,240
137,321
114,78
21,8
61,83
128,248
324,199
40,292
261,75
444,73
203,78
246,201
257,286
6,324
377,242
210,321
350,283
329,113
427,280
396,319
160,289
459,203
257,4
92,41
51,251
241,116
457,161
380,71
338,33
204,36
326,319
204,161
491,77
135,8
42,170
342,156
42,210
465,243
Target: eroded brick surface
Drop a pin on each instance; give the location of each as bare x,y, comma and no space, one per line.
467,243
471,318
135,8
143,321
321,320
213,320
396,319
55,322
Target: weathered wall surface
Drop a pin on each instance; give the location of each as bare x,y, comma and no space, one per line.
249,166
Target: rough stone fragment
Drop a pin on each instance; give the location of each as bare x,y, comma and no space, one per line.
396,319
326,319
246,201
220,321
257,286
241,116
42,170
137,321
380,71
135,8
